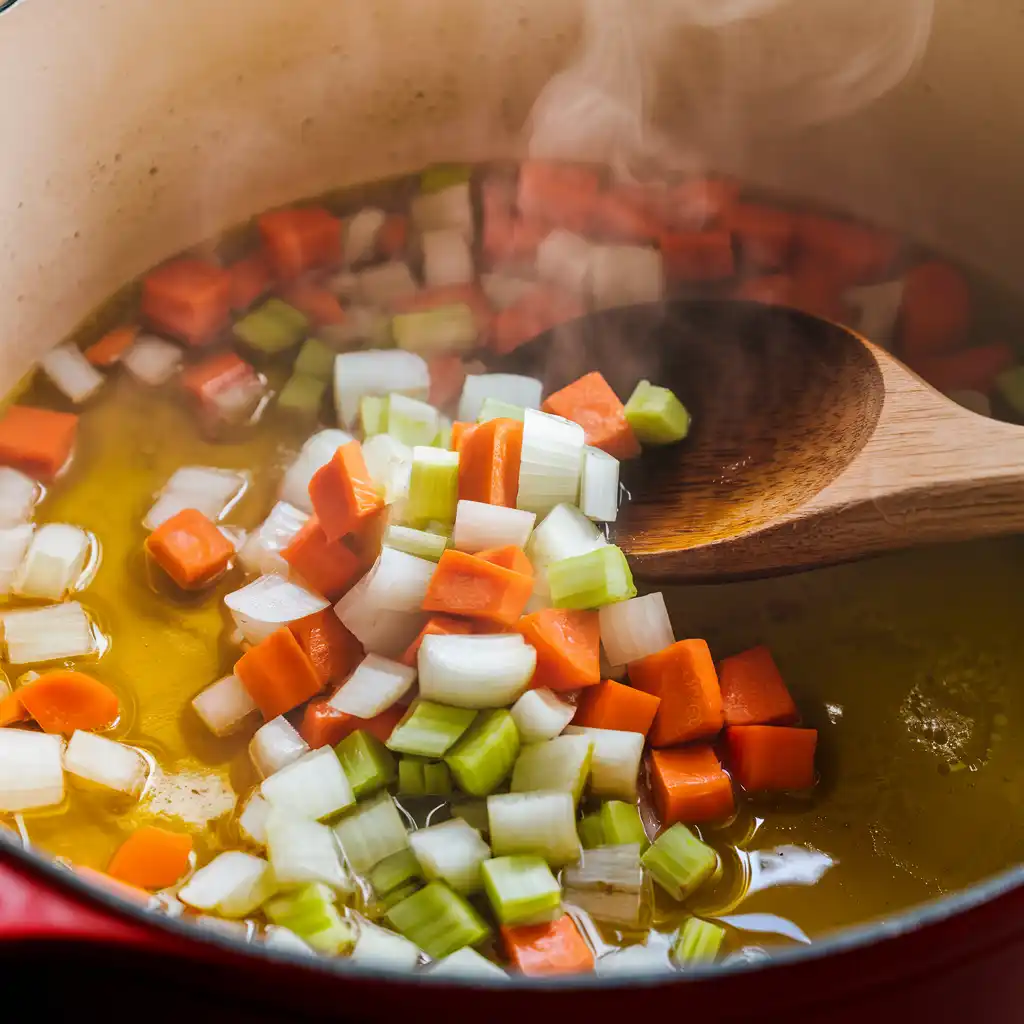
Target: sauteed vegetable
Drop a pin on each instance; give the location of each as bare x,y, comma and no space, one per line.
439,727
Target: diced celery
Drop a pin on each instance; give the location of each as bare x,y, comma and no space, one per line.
373,415
433,485
371,832
679,862
430,730
368,764
438,920
311,913
591,831
272,328
420,543
656,415
444,434
395,871
410,777
411,421
621,823
451,852
315,359
542,824
442,176
608,883
485,753
403,892
522,890
431,332
697,941
1010,384
593,580
437,779
302,395
560,764
496,409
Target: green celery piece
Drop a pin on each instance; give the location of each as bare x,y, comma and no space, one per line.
410,777
420,543
621,824
438,331
522,890
403,892
272,328
444,434
592,580
429,729
679,862
368,764
394,872
442,176
437,779
373,415
411,421
496,409
591,831
438,920
315,359
485,754
473,812
561,764
302,395
656,415
311,913
1010,384
433,485
697,941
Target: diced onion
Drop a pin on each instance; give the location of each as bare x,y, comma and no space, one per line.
55,633
19,495
475,671
313,787
267,604
451,852
376,372
467,965
621,275
373,687
385,285
14,543
361,231
633,960
543,824
608,884
382,632
564,532
551,462
446,258
54,563
633,629
261,552
233,884
513,388
479,526
252,822
276,936
615,764
214,492
31,770
564,259
397,582
389,463
876,310
151,360
304,851
377,947
451,207
373,831
411,421
71,372
105,762
599,486
316,452
276,745
541,715
224,705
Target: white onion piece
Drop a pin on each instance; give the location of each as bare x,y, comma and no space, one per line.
513,388
54,563
375,685
214,492
31,770
376,373
479,526
275,745
304,851
152,360
503,291
14,543
475,671
386,633
316,453
564,532
233,884
361,232
385,285
551,462
261,552
224,705
313,787
377,947
105,762
467,965
633,629
252,822
389,463
19,495
541,715
55,633
615,763
450,207
876,308
71,373
608,884
451,852
446,258
621,275
564,260
398,581
265,605
371,832
276,936
599,486
633,960
542,824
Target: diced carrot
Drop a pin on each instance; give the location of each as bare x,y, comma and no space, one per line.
539,310
366,539
765,234
568,645
190,549
326,726
37,441
753,692
590,402
621,215
683,676
553,948
459,432
152,858
470,295
697,255
972,369
63,701
437,625
187,299
393,236
109,349
508,557
328,566
689,785
210,377
332,649
251,278
12,710
114,885
771,757
935,313
300,239
343,493
278,674
466,585
854,253
317,303
489,462
559,194
447,377
699,202
612,705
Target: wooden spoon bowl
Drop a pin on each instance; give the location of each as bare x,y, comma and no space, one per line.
808,444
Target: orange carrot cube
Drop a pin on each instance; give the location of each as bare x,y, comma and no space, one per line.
278,674
771,758
437,625
765,234
689,785
300,239
190,549
508,557
37,441
612,705
328,566
109,349
187,299
558,194
332,649
489,458
697,255
553,948
568,645
466,585
343,493
590,402
753,692
152,858
251,278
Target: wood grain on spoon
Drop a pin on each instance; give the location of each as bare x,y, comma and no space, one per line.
809,445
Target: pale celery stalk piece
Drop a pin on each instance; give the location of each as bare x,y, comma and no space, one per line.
411,421
621,824
311,913
496,409
679,862
593,580
429,729
433,485
561,764
373,415
438,920
483,757
522,890
697,941
608,883
656,415
591,831
431,332
543,824
420,543
372,831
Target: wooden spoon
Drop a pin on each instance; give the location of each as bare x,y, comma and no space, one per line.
808,445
